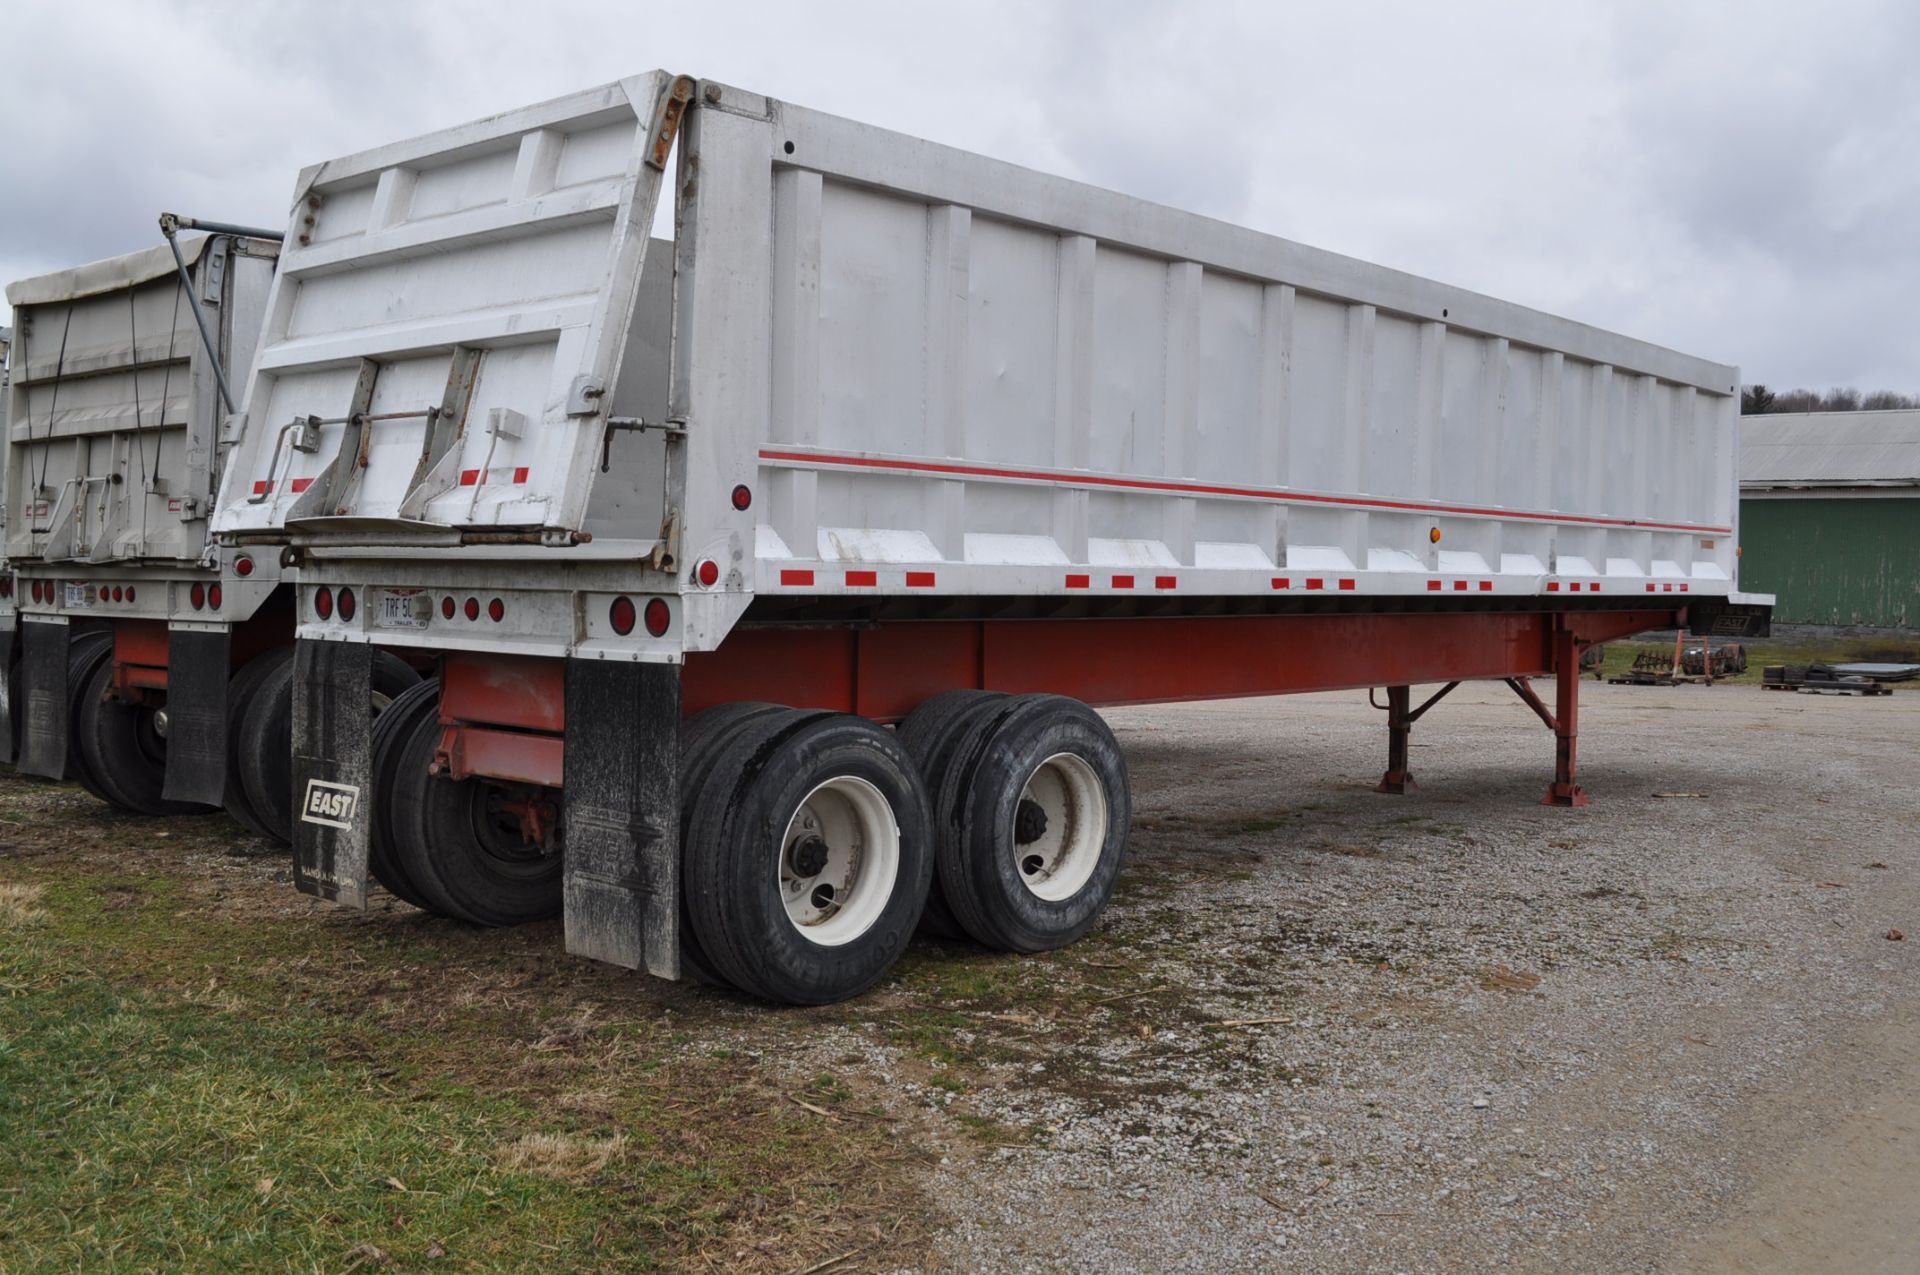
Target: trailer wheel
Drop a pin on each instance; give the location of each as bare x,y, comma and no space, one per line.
266,737
241,692
935,733
809,857
391,728
702,736
460,843
84,655
123,745
1034,839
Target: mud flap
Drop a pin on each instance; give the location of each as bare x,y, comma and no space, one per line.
7,632
43,685
197,716
622,814
332,769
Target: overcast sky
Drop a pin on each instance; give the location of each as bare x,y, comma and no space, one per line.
1737,180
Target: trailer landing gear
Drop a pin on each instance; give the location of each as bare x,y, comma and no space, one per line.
1399,777
1564,721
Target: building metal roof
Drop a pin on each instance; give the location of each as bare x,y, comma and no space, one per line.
1830,449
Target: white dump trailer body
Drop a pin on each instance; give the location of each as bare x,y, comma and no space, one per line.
886,420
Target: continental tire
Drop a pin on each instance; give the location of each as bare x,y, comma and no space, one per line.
459,844
122,745
933,734
266,738
241,690
808,857
1036,833
390,729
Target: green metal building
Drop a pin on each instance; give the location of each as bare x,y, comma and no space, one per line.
1830,517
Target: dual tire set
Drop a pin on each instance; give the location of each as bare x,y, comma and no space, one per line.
813,844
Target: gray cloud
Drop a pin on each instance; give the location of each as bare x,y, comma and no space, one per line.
1733,179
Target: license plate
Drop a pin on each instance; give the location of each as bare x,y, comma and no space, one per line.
400,611
79,595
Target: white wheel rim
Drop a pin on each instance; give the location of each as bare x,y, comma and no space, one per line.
1058,863
839,860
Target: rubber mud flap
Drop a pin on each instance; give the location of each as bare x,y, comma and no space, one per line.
197,715
332,769
43,687
7,633
622,814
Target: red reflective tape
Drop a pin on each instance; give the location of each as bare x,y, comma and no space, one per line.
520,474
1280,494
261,487
1459,586
796,577
1594,587
1651,589
1433,586
1486,586
1314,582
300,484
1123,582
1079,582
1667,589
1553,586
1683,588
1346,584
862,579
1165,582
919,579
469,478
1282,582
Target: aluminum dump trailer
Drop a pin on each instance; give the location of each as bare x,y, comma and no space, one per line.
113,457
9,618
890,432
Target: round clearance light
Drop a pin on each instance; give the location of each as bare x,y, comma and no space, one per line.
323,602
197,595
243,566
1433,535
708,572
213,597
448,606
472,608
742,497
347,604
657,617
119,594
620,616
496,610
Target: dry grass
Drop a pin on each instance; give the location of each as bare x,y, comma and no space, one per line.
16,905
560,1155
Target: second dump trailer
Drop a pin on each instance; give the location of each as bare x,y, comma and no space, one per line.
890,432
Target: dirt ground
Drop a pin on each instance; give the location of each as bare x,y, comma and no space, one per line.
1320,1029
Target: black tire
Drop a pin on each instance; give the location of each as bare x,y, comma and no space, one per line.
702,736
84,655
466,858
127,756
993,877
932,733
735,849
266,738
241,691
390,728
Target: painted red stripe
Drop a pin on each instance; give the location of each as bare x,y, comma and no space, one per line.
1279,494
469,478
1314,582
1165,582
796,577
919,579
1079,582
1282,582
520,474
862,579
1123,582
301,484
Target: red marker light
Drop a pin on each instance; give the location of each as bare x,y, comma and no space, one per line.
129,593
496,610
742,497
243,566
620,616
708,572
448,606
323,602
197,595
472,608
657,617
347,607
119,594
213,597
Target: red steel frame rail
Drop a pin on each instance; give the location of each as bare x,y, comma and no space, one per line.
503,716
